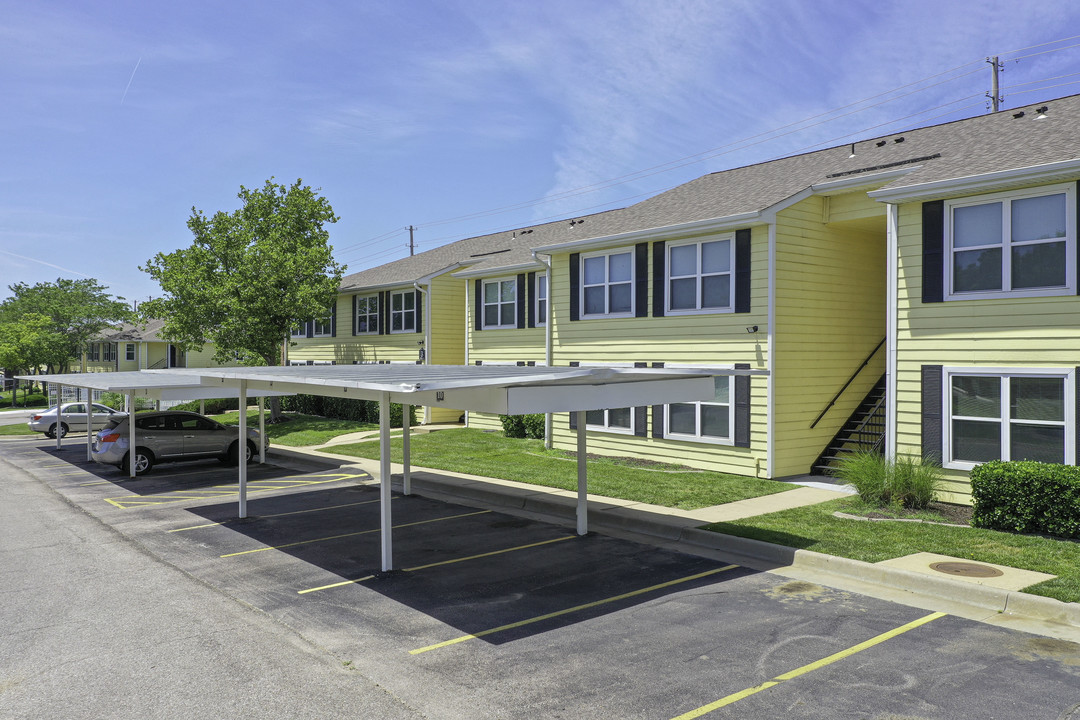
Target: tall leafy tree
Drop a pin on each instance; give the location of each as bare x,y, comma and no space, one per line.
76,312
249,276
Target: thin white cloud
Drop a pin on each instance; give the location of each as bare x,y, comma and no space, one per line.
47,264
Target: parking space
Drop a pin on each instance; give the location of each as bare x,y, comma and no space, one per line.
492,615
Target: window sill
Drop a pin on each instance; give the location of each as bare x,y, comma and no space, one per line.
699,439
1012,294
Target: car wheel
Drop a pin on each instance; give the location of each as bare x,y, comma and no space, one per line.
63,430
144,460
51,432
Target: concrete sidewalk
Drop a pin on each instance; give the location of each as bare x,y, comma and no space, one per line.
904,580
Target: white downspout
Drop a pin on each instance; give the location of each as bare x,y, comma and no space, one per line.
468,335
548,334
770,362
427,338
891,321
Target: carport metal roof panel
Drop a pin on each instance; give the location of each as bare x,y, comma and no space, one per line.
165,384
506,389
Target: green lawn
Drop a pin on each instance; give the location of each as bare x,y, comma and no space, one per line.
493,455
301,429
815,528
17,429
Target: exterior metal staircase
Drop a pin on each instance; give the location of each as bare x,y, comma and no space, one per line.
864,430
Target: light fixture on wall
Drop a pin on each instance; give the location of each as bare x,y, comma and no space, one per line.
751,329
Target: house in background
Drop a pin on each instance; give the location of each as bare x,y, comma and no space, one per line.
137,346
912,294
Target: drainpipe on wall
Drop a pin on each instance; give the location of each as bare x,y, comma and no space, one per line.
548,430
427,338
891,321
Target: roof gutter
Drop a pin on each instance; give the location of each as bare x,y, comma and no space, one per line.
729,222
549,435
1001,180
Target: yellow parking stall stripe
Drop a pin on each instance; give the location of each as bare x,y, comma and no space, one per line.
353,534
444,562
835,657
567,611
275,515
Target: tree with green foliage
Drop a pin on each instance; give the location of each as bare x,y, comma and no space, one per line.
249,276
50,324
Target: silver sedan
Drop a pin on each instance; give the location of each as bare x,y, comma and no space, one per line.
172,435
73,418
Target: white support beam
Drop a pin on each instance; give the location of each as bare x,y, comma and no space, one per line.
241,453
129,400
262,430
89,424
59,415
384,483
406,455
582,477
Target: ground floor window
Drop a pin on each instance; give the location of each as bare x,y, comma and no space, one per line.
703,421
613,420
1008,415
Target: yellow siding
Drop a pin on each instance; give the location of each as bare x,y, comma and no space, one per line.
1007,332
852,206
346,348
707,339
830,314
447,332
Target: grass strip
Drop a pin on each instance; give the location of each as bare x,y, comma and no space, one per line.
815,528
301,430
17,429
493,455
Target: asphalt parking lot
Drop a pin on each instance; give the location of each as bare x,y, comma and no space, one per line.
494,616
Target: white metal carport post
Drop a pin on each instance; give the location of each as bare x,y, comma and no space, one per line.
384,482
131,432
406,429
89,422
59,414
241,449
582,478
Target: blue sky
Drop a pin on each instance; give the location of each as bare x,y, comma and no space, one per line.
117,118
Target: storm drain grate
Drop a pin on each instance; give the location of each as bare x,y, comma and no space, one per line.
966,569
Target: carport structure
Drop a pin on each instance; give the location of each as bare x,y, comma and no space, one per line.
505,390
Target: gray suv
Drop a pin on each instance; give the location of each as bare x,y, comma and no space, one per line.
171,435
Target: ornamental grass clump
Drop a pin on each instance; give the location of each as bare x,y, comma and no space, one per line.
906,482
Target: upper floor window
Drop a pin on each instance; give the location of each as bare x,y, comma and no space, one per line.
1023,414
403,311
1012,243
93,352
607,286
367,314
541,300
129,352
703,421
500,303
299,330
108,352
699,276
324,326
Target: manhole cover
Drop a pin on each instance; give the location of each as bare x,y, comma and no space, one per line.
966,569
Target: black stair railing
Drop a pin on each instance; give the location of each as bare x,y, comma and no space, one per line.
847,384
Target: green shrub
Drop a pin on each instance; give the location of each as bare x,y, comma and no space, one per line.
344,408
212,406
1027,496
116,401
523,426
906,482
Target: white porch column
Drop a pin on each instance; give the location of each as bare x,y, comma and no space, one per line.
406,458
582,477
89,424
242,450
384,483
129,401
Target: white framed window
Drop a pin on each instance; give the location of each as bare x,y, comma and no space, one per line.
324,326
607,284
1020,244
616,420
108,352
700,276
541,303
129,352
500,303
403,311
299,330
709,422
1008,414
367,314
93,352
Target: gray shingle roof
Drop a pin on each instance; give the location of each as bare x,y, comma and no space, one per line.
128,332
962,148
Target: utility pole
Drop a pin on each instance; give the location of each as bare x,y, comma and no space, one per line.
412,245
994,95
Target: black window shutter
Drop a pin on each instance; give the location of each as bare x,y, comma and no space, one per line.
742,272
659,275
573,420
641,424
658,421
575,286
530,291
355,315
333,319
933,251
641,280
520,286
419,305
932,399
742,407
478,305
309,328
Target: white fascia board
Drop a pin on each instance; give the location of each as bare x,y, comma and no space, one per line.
730,222
422,280
493,270
970,184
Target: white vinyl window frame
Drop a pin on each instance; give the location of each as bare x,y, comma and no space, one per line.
697,436
367,310
611,262
699,276
129,352
324,326
606,427
1005,243
93,352
299,331
503,287
1004,419
402,311
108,352
541,303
